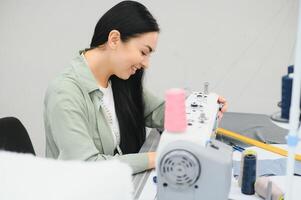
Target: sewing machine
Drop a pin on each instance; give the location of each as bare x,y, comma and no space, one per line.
192,164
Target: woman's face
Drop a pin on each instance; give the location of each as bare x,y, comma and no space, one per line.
133,54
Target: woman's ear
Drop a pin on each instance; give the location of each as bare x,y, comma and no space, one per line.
114,39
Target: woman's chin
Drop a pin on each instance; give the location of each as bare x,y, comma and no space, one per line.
125,76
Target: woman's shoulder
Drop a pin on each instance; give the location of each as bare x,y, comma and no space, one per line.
64,82
64,85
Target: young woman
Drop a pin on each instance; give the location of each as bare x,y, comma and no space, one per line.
98,109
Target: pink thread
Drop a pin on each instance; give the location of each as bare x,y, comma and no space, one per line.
175,111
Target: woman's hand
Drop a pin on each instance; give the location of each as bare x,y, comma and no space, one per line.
221,100
151,160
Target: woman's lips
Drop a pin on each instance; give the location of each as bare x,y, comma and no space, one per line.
133,69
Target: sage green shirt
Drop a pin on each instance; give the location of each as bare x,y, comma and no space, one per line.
75,125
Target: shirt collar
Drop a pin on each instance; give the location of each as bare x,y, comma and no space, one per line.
84,74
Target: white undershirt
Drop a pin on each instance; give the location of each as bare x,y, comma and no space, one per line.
109,108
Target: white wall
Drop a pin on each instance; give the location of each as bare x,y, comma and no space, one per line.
242,47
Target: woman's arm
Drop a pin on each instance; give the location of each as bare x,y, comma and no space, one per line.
154,110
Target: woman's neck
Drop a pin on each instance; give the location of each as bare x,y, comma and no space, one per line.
99,65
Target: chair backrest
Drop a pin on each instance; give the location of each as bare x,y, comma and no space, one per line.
14,136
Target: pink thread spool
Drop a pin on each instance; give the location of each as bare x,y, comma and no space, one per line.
175,110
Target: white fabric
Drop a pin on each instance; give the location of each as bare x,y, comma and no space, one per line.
25,177
108,103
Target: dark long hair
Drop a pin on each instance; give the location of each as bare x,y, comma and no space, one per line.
131,19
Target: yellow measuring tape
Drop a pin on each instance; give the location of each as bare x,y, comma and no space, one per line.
256,143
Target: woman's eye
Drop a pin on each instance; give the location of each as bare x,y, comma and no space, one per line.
144,54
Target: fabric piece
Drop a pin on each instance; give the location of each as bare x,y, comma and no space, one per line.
26,177
273,167
256,126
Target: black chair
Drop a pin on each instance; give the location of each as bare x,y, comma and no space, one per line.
14,137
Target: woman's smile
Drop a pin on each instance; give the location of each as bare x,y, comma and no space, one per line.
133,69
